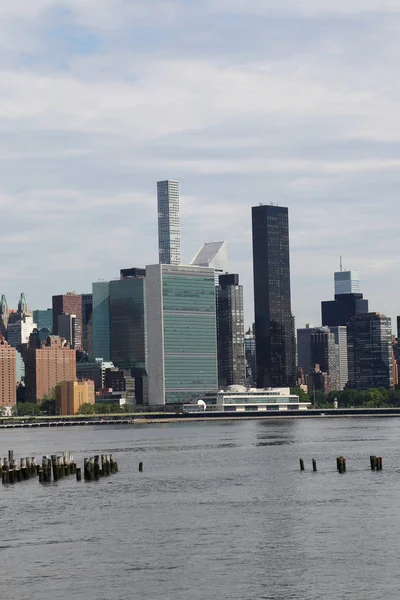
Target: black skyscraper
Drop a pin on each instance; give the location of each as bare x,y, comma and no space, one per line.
274,324
342,309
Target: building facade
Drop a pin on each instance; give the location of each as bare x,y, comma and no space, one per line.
128,323
4,315
325,354
181,333
347,282
101,320
68,328
348,301
251,357
274,323
8,374
87,311
230,331
46,364
70,395
44,319
94,370
169,227
304,360
369,345
340,334
214,255
19,329
70,303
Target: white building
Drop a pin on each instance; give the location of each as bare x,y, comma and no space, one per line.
340,333
18,331
237,398
169,226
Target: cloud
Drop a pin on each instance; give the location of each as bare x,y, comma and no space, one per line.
243,102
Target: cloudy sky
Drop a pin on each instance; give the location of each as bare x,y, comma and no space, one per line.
243,101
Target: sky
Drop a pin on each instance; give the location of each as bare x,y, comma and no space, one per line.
294,102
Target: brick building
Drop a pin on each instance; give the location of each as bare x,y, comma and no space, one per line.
8,374
71,304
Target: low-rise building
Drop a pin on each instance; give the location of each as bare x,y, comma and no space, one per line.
70,395
238,398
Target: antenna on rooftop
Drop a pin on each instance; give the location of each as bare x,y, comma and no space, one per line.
341,264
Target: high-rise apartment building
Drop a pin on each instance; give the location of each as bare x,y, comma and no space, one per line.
169,227
67,328
46,364
340,333
8,374
348,301
325,354
101,320
369,344
70,303
94,370
19,330
230,331
274,323
181,333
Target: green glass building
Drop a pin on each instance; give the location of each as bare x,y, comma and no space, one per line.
181,333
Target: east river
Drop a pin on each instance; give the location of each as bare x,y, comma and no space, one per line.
221,510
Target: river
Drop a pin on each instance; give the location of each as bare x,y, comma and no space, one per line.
221,510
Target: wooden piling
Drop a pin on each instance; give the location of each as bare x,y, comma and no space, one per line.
301,461
314,465
78,474
141,466
373,462
379,463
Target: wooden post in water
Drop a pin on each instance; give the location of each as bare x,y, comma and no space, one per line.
96,468
314,465
141,466
78,474
341,464
379,463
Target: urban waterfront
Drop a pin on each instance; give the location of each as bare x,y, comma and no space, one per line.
220,511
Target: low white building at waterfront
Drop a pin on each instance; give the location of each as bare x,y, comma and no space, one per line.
238,398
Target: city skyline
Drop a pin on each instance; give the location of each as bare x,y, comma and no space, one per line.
291,114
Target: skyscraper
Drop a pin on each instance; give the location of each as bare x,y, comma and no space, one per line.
181,333
348,301
251,357
44,318
214,255
304,360
340,333
169,228
101,320
369,344
4,316
230,331
87,310
70,303
274,323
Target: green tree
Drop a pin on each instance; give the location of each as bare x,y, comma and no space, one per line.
298,391
48,407
25,409
86,409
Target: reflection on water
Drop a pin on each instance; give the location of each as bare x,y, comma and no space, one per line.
220,511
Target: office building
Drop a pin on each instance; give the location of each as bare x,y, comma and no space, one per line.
347,282
251,357
8,374
87,310
121,381
214,255
71,304
348,301
101,320
4,315
46,364
181,333
239,399
169,227
274,323
19,329
230,331
44,319
128,323
325,354
318,381
94,370
70,395
369,345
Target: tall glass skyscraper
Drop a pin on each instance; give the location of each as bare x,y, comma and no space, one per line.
274,323
169,226
101,320
181,333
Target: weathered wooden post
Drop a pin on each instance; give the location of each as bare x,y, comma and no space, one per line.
379,463
78,474
141,467
96,468
314,465
301,461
